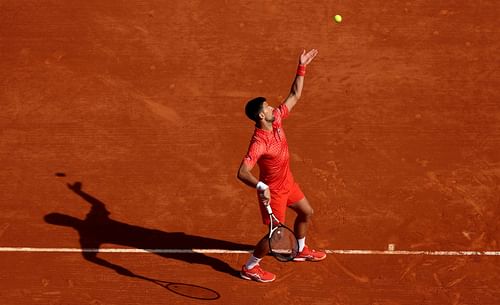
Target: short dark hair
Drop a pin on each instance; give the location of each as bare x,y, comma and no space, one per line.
254,108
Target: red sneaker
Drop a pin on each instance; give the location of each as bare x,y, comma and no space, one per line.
257,274
309,255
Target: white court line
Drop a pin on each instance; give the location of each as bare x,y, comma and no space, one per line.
222,251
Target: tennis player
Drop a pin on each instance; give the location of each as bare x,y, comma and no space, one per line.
276,186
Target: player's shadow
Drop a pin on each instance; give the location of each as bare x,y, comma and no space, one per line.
98,228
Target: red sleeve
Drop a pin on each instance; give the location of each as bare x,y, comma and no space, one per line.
255,150
280,113
284,110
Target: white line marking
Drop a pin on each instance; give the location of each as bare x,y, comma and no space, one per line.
401,252
222,251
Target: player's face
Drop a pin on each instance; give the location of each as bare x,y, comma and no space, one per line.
268,112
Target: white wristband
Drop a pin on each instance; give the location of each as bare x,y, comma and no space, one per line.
261,186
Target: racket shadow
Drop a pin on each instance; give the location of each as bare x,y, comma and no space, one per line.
183,289
186,290
98,228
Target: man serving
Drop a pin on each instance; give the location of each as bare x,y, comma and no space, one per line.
276,186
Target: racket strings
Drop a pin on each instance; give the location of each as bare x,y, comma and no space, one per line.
283,243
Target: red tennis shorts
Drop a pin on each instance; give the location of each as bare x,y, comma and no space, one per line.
280,200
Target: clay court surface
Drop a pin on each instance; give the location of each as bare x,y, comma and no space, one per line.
396,140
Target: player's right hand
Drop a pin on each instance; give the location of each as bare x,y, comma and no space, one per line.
265,195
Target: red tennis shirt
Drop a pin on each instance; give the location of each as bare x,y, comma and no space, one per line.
269,149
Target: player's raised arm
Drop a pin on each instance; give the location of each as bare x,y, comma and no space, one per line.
298,83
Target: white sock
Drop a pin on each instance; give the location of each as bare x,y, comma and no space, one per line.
252,262
302,243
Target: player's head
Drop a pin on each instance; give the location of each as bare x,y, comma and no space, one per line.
258,110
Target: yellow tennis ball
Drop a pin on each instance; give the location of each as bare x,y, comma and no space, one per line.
338,18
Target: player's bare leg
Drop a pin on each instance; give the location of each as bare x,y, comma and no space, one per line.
252,270
262,247
304,213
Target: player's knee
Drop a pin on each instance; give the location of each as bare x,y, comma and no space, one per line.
306,214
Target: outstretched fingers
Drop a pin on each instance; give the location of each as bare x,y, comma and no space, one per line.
312,54
306,58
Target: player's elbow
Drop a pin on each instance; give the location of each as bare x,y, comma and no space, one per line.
293,98
241,174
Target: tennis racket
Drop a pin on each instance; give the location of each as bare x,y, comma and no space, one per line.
185,290
282,241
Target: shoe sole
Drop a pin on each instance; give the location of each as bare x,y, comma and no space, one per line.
255,279
303,259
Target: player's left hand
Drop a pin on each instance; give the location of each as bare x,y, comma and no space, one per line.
306,58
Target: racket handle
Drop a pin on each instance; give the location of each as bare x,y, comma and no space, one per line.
268,208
